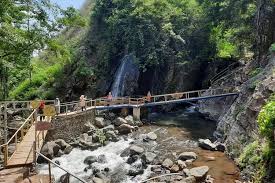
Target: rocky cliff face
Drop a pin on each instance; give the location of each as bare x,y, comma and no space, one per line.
237,117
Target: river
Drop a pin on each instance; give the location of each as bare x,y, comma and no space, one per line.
177,132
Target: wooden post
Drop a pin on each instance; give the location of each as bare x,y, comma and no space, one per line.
6,155
66,109
50,172
5,123
34,153
15,141
136,113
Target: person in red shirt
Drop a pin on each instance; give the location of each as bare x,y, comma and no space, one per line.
40,110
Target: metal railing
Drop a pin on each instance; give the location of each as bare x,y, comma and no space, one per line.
50,169
223,72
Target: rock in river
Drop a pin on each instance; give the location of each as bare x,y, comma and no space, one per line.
199,172
90,160
99,122
187,155
125,129
136,150
150,136
148,157
207,144
119,121
167,163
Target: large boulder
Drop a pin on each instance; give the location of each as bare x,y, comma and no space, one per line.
130,120
220,147
99,122
150,136
207,144
187,155
136,150
111,135
135,172
90,160
125,129
175,168
167,163
50,149
148,157
199,172
181,164
108,128
68,149
85,139
119,121
62,143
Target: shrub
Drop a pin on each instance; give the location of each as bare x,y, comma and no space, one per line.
251,155
266,119
272,48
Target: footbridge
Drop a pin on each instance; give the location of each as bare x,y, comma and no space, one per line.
27,141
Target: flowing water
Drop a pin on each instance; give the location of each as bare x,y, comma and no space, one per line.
177,132
125,76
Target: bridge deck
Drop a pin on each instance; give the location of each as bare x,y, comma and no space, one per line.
23,154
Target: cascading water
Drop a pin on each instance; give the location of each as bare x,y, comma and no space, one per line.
126,77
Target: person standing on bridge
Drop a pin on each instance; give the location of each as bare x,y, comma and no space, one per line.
149,96
83,102
109,98
57,106
40,110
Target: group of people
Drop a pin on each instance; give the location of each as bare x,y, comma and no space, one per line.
82,103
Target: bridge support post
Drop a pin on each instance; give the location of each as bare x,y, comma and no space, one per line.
136,113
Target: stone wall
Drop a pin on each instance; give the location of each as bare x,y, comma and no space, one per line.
70,127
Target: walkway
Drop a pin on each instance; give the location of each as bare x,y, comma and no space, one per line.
27,140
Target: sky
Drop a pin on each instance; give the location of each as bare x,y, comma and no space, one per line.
66,3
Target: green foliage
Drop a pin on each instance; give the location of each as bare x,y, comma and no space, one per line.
266,119
254,72
251,155
272,48
101,136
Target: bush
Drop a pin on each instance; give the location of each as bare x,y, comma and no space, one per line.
266,119
272,48
251,155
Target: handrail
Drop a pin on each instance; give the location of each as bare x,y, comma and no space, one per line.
50,161
225,76
217,76
14,136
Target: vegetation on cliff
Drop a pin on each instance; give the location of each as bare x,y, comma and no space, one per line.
158,32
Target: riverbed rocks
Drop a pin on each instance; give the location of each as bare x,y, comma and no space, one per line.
148,157
100,122
90,160
119,121
187,156
126,129
167,163
208,145
199,172
150,136
134,149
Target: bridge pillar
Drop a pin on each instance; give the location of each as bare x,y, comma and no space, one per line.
136,113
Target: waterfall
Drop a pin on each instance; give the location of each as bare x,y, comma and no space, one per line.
125,77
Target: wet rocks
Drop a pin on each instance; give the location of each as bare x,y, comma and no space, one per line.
130,120
102,159
150,136
97,180
181,164
85,139
135,172
167,163
50,149
62,144
100,122
207,144
187,156
90,160
199,172
119,121
136,150
125,129
175,168
132,159
148,157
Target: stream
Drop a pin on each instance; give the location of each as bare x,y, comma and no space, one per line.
177,132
